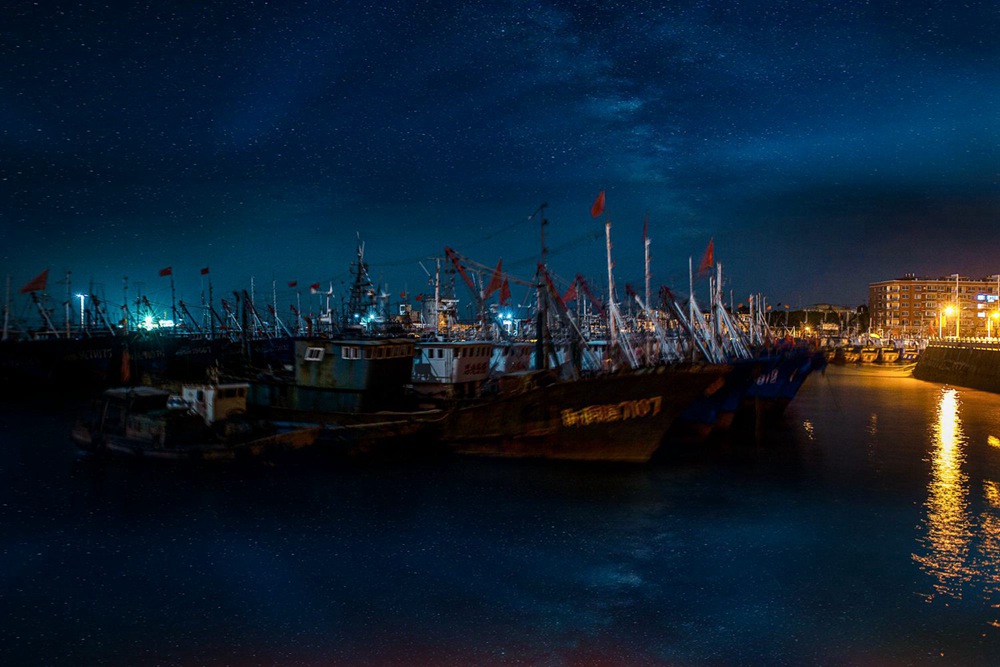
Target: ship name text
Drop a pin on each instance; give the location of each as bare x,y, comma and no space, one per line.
612,412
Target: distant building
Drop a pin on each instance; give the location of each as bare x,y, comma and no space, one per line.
948,306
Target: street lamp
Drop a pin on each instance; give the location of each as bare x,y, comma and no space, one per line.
947,311
995,315
81,297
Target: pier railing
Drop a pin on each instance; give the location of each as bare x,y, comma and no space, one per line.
969,342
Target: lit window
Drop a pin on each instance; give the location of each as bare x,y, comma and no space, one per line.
314,354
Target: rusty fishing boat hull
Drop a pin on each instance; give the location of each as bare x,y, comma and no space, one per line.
620,417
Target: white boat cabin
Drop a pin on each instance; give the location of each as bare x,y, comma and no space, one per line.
512,357
451,369
215,402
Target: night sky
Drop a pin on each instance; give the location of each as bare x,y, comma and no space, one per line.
823,145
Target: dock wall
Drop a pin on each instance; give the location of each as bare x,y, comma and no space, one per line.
969,363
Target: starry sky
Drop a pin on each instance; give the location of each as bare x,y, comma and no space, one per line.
823,145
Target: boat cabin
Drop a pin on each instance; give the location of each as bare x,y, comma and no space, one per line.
145,414
512,357
347,375
215,402
451,369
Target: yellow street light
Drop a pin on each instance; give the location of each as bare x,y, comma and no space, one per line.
995,315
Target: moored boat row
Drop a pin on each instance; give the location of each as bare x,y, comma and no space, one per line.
601,385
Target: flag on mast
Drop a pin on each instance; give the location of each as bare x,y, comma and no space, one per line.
570,294
708,259
169,271
504,292
36,284
598,206
496,282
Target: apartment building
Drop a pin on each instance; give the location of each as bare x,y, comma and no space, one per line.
953,305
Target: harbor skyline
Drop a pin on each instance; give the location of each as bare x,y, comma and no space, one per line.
821,148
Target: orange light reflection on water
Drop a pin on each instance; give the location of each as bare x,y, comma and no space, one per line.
988,562
948,530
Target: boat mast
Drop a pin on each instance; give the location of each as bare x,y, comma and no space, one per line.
645,242
274,306
211,308
6,309
612,334
437,295
69,296
541,315
125,314
173,304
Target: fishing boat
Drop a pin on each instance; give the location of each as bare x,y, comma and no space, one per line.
910,351
211,425
755,394
339,377
888,353
620,416
847,354
868,353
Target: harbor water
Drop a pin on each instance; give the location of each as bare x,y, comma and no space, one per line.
863,530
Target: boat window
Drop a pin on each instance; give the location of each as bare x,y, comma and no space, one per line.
458,353
314,354
368,353
380,354
201,396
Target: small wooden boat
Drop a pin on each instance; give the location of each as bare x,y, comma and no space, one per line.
152,423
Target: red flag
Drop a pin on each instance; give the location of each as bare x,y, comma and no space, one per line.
598,206
314,288
496,282
169,271
708,259
37,284
204,271
504,292
570,294
420,297
293,283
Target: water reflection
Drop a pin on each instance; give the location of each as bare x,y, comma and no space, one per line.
947,526
989,550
